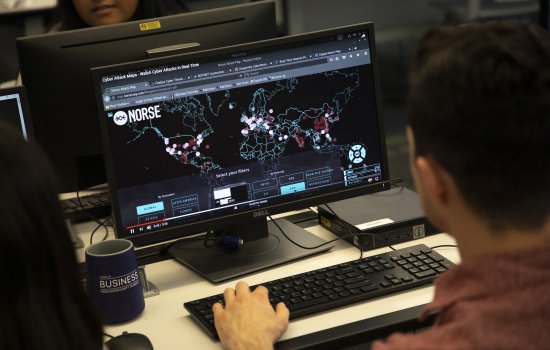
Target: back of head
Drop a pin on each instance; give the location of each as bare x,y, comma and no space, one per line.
480,106
45,306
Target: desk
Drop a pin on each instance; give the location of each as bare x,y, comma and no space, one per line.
168,324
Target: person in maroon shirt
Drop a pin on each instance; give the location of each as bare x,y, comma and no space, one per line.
479,136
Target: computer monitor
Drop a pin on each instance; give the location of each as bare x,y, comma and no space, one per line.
544,13
221,139
14,110
55,69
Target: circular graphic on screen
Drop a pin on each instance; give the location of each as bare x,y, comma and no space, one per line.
357,154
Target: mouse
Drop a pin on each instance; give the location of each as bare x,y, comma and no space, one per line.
129,341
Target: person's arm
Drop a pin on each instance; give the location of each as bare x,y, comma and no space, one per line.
248,321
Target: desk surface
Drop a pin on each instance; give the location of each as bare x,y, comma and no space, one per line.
166,322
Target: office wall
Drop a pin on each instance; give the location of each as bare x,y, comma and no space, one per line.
388,15
398,24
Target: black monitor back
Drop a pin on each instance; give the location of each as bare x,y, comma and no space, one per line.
55,69
544,13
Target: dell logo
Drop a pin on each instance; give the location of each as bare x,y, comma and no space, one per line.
137,115
260,213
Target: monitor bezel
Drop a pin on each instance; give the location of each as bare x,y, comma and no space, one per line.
182,231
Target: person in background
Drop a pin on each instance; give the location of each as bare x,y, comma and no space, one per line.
479,136
44,305
77,14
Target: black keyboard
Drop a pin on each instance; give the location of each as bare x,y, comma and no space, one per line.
96,205
343,284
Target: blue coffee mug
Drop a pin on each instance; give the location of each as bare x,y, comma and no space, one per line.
113,280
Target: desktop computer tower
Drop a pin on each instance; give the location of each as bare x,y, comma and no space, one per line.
385,218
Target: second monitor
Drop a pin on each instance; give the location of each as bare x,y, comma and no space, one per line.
55,70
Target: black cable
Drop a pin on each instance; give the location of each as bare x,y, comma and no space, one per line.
386,194
90,216
106,228
306,219
108,335
83,209
395,180
213,236
100,224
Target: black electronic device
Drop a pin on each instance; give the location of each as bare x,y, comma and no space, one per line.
339,285
222,139
391,217
55,69
14,110
129,341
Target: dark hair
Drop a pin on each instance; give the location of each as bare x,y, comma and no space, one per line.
480,106
44,303
66,17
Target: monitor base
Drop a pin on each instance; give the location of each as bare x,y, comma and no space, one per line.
223,264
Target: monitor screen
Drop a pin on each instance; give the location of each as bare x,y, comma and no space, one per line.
14,110
55,69
220,139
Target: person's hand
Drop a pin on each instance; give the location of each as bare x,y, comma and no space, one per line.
248,321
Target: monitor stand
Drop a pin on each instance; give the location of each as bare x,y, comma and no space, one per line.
268,248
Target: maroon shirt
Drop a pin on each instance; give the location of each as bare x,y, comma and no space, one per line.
501,301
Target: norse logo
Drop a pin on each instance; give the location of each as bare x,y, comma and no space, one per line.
120,118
